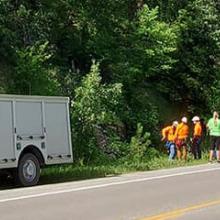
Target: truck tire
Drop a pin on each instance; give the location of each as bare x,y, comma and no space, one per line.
28,171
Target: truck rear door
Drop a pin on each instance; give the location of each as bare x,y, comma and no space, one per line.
57,130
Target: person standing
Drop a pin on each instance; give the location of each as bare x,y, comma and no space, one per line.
181,135
197,138
168,135
214,131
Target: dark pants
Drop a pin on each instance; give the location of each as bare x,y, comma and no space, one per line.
196,149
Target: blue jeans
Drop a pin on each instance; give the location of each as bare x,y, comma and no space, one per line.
171,148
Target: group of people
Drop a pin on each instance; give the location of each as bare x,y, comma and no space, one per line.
179,141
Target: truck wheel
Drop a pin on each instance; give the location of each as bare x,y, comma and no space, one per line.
28,171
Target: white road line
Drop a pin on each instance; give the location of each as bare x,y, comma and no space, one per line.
106,185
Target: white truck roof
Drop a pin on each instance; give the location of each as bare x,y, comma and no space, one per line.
33,97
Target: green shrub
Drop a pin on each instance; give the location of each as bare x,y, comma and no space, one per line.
139,144
93,110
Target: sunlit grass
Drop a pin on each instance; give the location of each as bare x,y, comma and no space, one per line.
71,172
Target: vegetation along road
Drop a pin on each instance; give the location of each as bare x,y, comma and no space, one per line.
130,68
180,193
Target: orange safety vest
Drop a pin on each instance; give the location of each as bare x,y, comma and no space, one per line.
197,129
182,131
168,133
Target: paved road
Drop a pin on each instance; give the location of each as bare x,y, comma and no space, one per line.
183,193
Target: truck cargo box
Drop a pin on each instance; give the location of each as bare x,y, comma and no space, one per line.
36,126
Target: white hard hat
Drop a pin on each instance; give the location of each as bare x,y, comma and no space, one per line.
195,118
184,119
175,123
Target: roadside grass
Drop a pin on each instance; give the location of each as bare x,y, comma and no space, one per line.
72,172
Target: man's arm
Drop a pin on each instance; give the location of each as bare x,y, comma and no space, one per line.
164,133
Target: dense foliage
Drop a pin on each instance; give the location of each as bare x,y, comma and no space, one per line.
128,66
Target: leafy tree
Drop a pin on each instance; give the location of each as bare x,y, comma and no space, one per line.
31,75
168,9
198,54
150,53
95,105
146,59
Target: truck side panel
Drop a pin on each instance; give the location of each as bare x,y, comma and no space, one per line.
29,120
6,131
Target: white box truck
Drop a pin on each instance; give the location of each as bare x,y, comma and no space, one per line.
34,132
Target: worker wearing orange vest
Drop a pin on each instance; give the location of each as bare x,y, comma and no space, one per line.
197,138
168,135
181,135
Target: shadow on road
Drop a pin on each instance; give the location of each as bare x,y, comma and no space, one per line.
7,182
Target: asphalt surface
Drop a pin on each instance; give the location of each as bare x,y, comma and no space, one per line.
183,193
211,213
